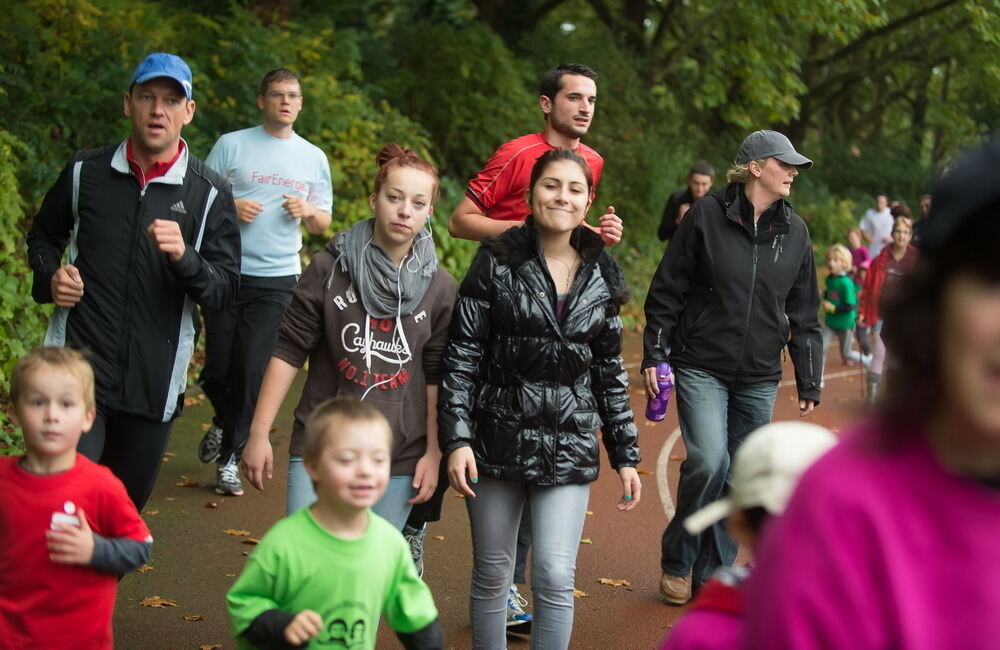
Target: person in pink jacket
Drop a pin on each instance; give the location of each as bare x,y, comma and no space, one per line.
765,471
890,540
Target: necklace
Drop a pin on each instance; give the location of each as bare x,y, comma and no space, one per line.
569,266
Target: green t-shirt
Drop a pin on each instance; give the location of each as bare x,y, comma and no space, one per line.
299,565
840,290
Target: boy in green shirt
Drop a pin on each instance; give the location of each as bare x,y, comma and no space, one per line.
325,574
840,302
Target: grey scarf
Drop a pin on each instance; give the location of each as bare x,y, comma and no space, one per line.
386,291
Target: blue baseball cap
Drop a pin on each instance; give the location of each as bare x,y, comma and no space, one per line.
162,64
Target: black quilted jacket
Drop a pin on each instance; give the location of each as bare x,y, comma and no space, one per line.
524,390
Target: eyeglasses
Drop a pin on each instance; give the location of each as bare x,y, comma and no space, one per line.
273,94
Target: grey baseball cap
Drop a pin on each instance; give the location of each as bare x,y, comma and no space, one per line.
770,144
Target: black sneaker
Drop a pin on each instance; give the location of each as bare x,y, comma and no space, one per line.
211,445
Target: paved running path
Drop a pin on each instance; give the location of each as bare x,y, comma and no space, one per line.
194,562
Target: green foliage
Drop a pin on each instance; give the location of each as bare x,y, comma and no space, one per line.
470,92
879,94
454,254
22,322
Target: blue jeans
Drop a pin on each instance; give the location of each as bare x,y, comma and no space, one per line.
392,507
715,418
557,516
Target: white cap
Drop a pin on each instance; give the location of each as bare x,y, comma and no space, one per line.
765,470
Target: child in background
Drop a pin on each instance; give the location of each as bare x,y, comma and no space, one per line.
323,576
840,302
861,259
765,471
68,529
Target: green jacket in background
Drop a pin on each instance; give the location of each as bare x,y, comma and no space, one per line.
840,290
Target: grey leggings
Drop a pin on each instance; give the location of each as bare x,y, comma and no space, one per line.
557,516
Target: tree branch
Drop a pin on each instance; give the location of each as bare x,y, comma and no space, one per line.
889,27
694,34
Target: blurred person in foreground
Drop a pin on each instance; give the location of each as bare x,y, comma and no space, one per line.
765,471
890,539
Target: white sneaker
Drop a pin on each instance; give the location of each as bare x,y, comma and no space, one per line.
518,620
415,538
228,478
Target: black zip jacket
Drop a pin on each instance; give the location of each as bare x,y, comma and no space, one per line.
136,318
526,391
725,301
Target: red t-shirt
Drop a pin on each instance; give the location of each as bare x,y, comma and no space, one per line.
498,189
49,605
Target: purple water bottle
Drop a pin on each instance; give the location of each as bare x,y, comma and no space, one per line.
656,408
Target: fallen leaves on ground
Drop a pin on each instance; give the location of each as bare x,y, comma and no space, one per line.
236,532
253,541
212,504
644,471
586,540
150,512
580,594
230,575
678,458
169,453
650,424
439,538
590,512
156,601
206,426
196,617
210,646
614,583
187,482
169,498
145,568
191,401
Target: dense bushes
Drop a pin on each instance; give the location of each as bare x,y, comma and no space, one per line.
22,323
436,77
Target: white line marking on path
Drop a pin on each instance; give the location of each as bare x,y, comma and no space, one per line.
661,473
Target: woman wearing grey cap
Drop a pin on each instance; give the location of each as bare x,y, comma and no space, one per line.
736,284
890,540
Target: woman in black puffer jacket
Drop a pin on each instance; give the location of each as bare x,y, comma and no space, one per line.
532,370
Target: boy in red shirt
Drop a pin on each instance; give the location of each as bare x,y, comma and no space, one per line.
68,529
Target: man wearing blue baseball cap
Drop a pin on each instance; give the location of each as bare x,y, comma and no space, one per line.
150,231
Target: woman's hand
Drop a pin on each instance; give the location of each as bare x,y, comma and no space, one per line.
649,376
462,462
631,489
652,386
258,461
425,477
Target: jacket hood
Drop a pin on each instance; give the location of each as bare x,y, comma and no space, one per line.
517,245
730,197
